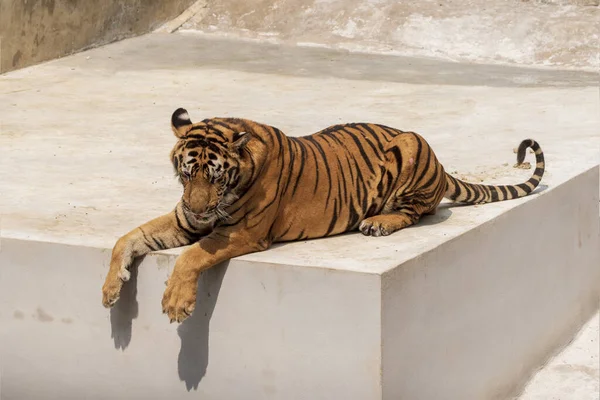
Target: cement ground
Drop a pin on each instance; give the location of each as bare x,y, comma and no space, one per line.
573,373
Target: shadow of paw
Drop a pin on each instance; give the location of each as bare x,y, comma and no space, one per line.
125,310
194,331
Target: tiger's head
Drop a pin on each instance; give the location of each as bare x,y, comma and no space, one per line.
209,160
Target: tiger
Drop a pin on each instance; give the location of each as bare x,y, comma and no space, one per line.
247,185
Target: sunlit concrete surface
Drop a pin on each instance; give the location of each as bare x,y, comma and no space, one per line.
484,291
573,373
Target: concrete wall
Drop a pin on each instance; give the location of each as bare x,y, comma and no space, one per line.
259,331
474,318
560,33
32,31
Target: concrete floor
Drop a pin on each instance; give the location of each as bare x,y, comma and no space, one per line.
573,373
91,133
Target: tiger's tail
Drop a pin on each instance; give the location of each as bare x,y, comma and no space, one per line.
470,193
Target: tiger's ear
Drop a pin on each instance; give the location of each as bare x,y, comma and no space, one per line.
180,122
240,140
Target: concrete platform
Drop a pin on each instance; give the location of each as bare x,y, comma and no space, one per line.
464,306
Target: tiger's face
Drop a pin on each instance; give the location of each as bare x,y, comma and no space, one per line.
207,164
209,177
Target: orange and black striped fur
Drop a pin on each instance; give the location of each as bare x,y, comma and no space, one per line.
247,185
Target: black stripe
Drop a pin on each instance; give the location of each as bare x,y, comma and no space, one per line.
343,178
340,193
475,192
534,145
361,150
360,184
325,163
286,231
278,136
481,195
503,190
189,233
353,217
248,157
512,191
220,123
434,177
374,135
417,158
390,131
347,158
426,169
397,153
341,172
333,218
366,139
494,193
457,191
280,159
381,185
534,181
237,221
146,240
291,164
195,136
302,162
276,197
390,177
214,131
372,210
336,139
490,193
156,243
309,146
330,129
468,190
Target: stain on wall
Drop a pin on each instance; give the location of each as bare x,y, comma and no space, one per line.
32,31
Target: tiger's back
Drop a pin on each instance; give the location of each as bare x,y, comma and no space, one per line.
366,176
344,174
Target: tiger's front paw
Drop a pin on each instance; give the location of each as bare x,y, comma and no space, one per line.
179,299
117,273
111,290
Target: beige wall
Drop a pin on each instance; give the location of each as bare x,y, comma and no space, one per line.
559,33
32,31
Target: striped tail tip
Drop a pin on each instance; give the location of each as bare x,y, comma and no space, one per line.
470,193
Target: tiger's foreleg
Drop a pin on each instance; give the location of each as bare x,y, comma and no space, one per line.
165,232
405,213
386,224
179,298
